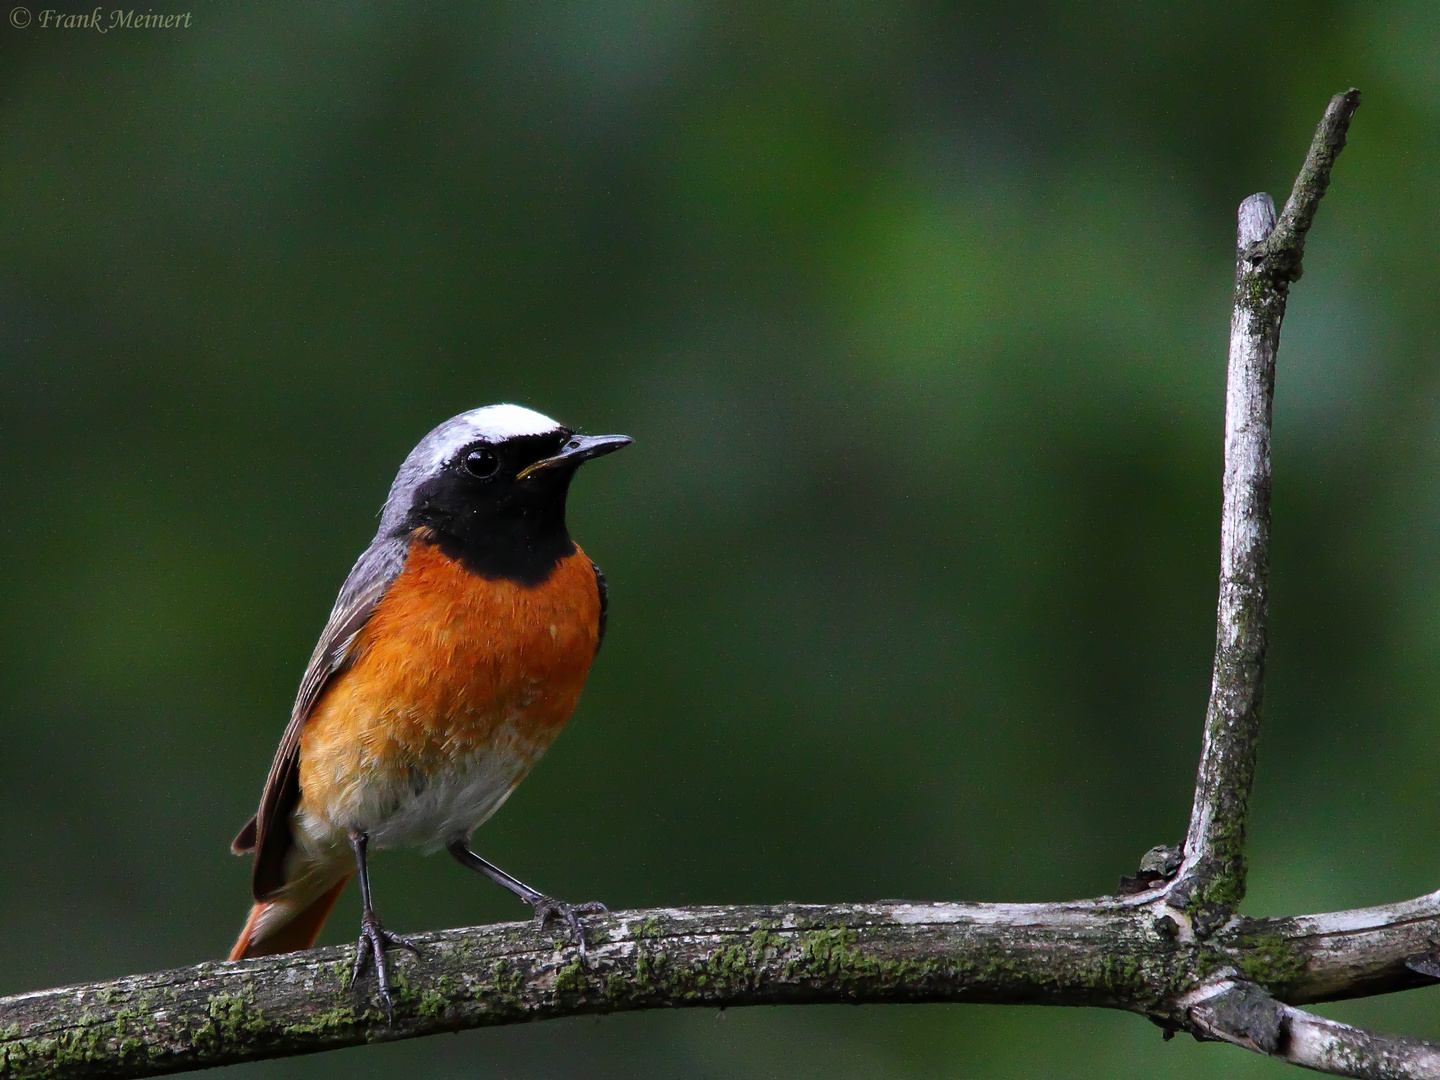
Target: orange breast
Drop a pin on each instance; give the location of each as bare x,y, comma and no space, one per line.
453,671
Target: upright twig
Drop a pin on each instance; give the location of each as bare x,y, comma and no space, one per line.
1268,255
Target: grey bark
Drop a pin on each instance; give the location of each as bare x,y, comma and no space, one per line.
1118,952
1244,1014
1172,949
1267,259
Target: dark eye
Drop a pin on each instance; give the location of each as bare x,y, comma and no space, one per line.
481,463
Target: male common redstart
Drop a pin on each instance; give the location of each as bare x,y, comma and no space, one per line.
456,651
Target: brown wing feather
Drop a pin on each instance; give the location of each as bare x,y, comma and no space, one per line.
268,833
244,841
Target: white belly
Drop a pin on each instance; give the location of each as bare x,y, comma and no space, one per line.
425,812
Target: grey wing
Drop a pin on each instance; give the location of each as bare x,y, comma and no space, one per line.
268,832
604,589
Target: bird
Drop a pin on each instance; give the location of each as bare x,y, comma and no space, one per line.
456,651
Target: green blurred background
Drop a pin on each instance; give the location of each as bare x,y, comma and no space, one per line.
918,316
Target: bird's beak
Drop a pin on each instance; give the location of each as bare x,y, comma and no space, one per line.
579,448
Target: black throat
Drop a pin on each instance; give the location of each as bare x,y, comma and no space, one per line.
506,531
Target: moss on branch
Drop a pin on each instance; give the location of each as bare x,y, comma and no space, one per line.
1110,952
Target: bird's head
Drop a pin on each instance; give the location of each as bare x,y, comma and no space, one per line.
489,486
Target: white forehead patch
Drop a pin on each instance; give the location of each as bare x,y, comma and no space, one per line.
492,423
496,423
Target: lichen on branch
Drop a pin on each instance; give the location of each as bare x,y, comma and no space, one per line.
1115,952
1268,255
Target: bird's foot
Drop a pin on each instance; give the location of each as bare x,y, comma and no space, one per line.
374,940
547,908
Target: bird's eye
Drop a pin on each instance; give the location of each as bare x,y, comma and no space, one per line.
481,463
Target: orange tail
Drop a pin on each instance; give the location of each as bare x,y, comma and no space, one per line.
286,924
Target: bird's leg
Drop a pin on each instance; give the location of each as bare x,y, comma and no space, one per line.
546,907
373,937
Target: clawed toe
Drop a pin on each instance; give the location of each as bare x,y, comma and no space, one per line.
374,940
547,908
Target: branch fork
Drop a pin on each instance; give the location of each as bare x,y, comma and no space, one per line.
1171,947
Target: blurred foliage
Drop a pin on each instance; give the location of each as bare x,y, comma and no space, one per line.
918,315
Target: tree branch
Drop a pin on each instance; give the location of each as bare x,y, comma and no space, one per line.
1286,246
1124,953
1173,950
1244,1014
1212,878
